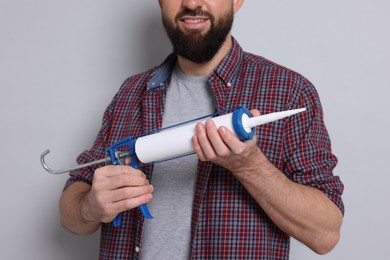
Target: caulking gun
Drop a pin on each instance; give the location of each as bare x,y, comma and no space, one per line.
174,142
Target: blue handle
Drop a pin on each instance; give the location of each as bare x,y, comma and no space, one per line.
117,220
128,142
145,212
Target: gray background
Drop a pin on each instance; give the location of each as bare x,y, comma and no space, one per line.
61,62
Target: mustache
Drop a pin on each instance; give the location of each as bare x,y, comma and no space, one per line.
195,12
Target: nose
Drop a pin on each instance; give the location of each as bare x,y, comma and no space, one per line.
193,4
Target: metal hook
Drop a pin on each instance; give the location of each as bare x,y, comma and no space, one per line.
67,169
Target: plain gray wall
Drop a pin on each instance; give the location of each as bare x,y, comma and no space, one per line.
62,62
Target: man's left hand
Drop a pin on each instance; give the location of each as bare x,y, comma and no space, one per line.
223,148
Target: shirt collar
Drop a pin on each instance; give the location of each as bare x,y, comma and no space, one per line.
163,72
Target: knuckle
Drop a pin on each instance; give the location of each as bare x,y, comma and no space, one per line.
197,148
105,211
137,201
147,189
212,157
144,199
129,204
124,169
224,153
123,178
147,198
239,150
202,158
125,193
212,134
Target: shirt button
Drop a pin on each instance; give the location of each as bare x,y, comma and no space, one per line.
229,84
137,249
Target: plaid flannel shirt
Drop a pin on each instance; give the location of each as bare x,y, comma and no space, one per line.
227,223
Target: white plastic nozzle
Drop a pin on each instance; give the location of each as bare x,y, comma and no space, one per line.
249,123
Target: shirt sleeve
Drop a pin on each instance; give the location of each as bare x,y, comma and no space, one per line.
97,151
308,155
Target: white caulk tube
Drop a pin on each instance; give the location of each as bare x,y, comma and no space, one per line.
177,141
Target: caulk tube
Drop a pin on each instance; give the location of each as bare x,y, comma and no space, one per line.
177,141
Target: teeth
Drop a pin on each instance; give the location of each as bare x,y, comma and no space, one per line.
194,20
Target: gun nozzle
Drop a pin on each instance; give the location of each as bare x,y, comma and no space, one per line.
264,119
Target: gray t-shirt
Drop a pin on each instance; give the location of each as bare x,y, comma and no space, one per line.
168,234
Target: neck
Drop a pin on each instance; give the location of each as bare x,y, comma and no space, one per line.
204,69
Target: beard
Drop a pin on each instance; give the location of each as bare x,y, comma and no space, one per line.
193,45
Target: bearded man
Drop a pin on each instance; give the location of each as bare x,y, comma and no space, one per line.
232,199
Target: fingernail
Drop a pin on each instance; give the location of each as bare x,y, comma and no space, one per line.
199,128
209,122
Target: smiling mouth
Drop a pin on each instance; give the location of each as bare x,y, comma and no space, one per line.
194,20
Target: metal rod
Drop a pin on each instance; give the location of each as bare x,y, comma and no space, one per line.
68,169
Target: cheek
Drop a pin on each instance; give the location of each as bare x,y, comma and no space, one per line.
219,6
170,8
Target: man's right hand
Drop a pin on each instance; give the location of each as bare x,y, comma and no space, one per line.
115,189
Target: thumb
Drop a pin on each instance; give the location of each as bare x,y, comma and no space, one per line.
255,112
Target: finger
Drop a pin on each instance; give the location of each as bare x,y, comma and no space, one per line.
230,140
204,143
255,112
215,139
132,203
113,170
119,181
198,149
130,192
128,180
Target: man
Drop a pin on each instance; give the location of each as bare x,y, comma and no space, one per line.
240,200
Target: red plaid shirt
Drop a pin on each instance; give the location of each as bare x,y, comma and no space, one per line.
227,223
